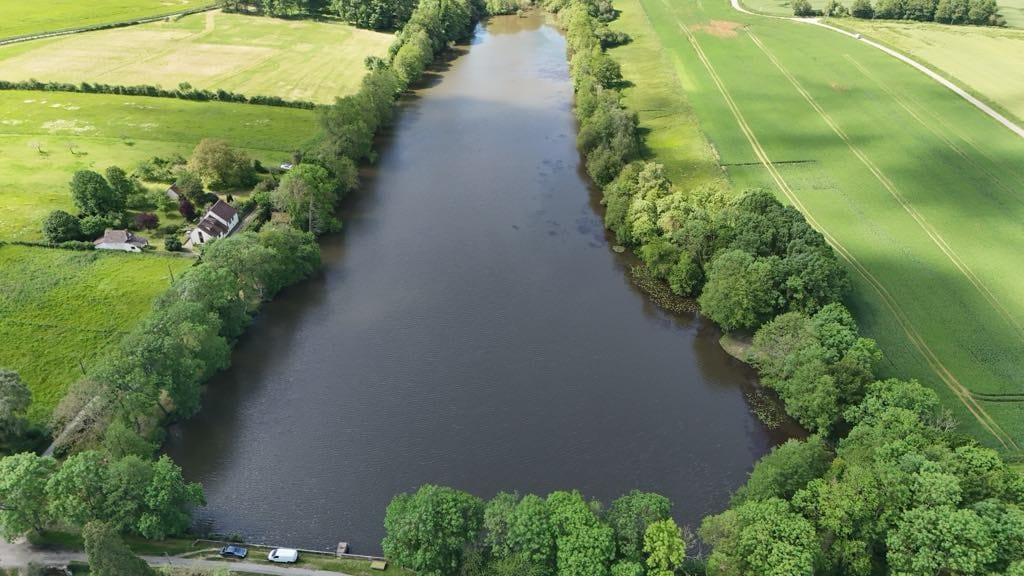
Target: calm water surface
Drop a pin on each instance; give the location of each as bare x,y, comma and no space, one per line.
472,328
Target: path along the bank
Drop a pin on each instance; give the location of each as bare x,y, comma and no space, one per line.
20,554
1014,127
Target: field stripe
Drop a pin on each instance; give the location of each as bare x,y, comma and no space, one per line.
930,126
922,347
923,222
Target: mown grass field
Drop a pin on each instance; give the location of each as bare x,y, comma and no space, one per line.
94,131
293,59
919,192
987,61
21,17
60,310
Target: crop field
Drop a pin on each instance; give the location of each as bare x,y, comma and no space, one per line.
46,136
918,191
59,310
987,61
256,56
21,17
1012,10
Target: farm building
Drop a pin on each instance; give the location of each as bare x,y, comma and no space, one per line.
173,193
120,240
220,220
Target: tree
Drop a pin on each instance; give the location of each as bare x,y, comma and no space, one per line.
530,534
108,554
119,182
664,546
23,502
60,226
428,531
630,515
76,491
15,398
786,469
127,480
585,550
308,195
94,226
760,537
835,9
374,14
940,540
221,166
190,187
497,515
186,209
120,441
802,8
740,292
169,501
889,9
863,9
216,289
93,195
172,244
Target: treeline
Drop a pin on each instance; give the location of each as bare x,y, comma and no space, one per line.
977,12
183,92
440,531
276,8
158,369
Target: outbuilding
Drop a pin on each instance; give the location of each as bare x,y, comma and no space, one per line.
123,240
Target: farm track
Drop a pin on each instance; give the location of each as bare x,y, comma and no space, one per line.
934,363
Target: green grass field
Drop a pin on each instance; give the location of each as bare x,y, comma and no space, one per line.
918,191
22,17
109,130
293,59
987,61
61,309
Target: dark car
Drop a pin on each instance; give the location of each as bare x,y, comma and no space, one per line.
234,552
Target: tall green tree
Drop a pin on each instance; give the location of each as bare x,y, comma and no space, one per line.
428,531
94,196
665,547
169,501
630,515
307,193
23,501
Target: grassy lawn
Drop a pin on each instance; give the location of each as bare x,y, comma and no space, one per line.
22,17
293,59
60,308
987,61
919,191
109,130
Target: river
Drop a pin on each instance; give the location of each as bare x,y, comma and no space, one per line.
473,328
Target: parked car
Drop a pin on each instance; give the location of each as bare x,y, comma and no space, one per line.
284,555
234,552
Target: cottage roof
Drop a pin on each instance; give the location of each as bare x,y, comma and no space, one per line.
212,226
112,236
223,210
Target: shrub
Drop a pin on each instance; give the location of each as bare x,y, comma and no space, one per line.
172,244
803,8
146,221
862,9
835,9
94,226
60,226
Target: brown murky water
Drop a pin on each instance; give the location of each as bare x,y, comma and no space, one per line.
471,327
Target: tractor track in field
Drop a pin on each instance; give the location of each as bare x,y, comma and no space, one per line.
988,110
936,365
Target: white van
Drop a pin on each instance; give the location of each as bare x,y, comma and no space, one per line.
283,555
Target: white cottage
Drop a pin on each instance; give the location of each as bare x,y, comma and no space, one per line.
120,240
218,222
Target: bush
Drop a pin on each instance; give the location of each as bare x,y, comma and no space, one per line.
60,226
172,244
94,226
803,8
862,9
146,221
834,9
